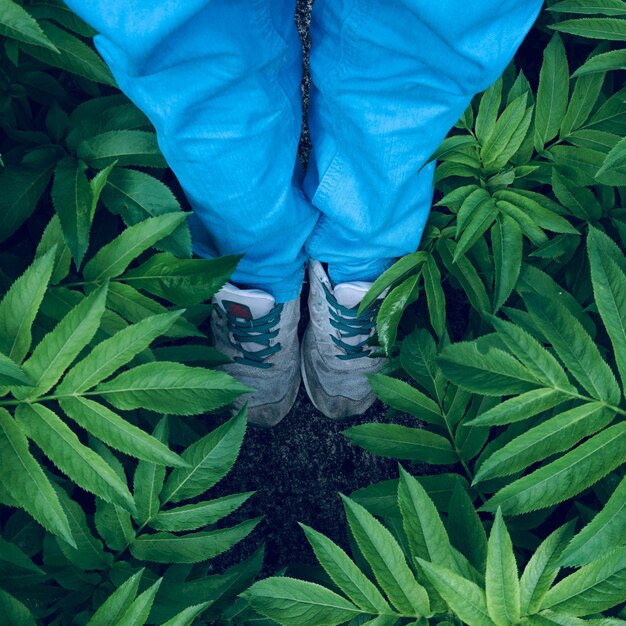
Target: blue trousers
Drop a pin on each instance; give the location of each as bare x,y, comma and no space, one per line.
220,81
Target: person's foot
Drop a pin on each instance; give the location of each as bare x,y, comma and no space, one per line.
335,357
261,337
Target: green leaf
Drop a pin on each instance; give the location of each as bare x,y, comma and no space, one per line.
192,547
611,116
605,62
181,281
565,477
418,359
403,397
391,311
116,432
57,11
22,187
595,587
294,602
422,524
527,225
112,353
56,351
397,271
471,203
606,530
490,371
574,346
464,597
20,305
552,436
171,388
25,481
593,7
345,574
115,605
387,561
480,220
580,165
194,516
488,111
113,259
542,568
71,195
552,93
610,28
402,442
579,200
114,525
506,242
125,147
188,615
501,582
435,297
149,478
13,610
210,458
52,237
616,158
13,555
17,24
455,198
86,468
74,55
520,408
609,288
137,613
585,94
465,528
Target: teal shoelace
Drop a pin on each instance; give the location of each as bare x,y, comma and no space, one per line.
350,325
259,331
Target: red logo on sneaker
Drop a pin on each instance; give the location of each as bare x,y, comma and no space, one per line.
239,310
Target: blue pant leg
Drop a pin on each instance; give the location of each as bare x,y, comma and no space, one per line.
220,81
389,81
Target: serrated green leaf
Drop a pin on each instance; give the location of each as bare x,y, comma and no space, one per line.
12,554
112,353
181,281
480,220
611,116
592,7
506,242
488,109
125,147
501,583
606,530
551,436
296,602
527,225
595,587
139,610
113,525
401,442
435,297
13,610
403,397
574,346
86,468
418,359
116,604
585,94
615,159
605,62
18,24
610,28
56,351
520,408
194,516
118,433
565,477
580,165
192,547
73,55
391,311
113,259
24,480
387,561
598,140
464,597
552,93
148,479
172,388
52,237
542,568
188,615
345,573
469,206
210,458
489,372
579,200
455,198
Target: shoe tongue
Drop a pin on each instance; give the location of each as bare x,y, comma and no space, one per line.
351,294
246,304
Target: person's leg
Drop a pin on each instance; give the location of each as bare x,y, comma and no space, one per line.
220,81
389,79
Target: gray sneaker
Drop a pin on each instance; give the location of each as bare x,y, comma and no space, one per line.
262,339
335,356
